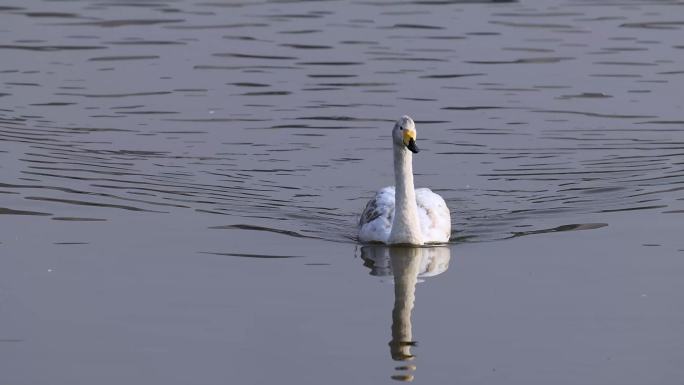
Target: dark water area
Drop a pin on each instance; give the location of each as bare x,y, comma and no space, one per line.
180,183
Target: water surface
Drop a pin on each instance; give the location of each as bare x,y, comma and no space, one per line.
181,180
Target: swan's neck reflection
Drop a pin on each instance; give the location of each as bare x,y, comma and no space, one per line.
407,265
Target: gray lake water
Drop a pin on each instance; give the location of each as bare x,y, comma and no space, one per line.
180,183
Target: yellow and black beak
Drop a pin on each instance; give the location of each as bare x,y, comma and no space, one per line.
410,140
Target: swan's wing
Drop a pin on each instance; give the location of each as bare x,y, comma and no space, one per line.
433,213
375,223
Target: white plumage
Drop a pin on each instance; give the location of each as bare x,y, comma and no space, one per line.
375,224
405,215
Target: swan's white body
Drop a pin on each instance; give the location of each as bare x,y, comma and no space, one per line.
402,214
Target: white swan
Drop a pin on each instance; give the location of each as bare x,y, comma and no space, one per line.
404,215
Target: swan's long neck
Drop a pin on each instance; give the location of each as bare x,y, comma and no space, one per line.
405,225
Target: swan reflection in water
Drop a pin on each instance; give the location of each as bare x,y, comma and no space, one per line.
408,265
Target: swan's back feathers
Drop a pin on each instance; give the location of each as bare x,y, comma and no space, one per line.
375,223
434,216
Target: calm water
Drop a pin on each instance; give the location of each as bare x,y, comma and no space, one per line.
180,183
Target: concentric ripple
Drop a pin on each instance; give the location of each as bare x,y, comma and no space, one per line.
275,116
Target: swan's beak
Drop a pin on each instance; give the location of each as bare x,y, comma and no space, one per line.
410,141
412,146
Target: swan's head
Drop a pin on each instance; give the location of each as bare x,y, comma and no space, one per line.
404,134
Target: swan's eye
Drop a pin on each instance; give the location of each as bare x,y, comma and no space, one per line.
401,128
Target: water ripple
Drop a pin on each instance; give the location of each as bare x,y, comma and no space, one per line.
274,117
